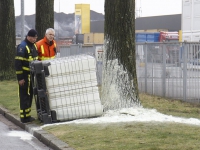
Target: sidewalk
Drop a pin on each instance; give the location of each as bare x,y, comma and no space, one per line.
48,139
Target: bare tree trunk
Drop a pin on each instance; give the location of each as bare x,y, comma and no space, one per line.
44,16
120,47
7,38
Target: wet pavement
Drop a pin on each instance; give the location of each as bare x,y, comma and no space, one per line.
13,137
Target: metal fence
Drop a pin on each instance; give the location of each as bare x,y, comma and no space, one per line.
169,70
94,50
164,69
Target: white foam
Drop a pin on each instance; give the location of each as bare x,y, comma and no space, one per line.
136,114
21,134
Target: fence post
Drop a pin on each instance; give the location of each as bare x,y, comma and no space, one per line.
145,55
164,70
184,52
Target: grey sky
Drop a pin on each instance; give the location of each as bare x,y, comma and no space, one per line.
145,7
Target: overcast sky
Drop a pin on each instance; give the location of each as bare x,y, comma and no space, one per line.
145,7
159,7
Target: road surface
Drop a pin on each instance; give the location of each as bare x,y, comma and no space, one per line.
13,137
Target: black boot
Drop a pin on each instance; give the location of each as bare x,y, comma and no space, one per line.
28,119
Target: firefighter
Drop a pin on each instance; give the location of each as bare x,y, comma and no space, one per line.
47,46
26,52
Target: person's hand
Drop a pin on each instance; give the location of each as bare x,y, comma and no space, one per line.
21,82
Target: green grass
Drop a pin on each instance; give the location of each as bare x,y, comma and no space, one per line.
9,98
123,136
170,106
129,136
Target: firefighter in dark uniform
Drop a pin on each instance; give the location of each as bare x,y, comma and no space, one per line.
26,52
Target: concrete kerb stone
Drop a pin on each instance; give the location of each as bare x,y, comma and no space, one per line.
43,136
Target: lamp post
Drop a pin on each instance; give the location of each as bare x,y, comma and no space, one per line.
22,20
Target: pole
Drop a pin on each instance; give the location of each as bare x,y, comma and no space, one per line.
58,24
22,20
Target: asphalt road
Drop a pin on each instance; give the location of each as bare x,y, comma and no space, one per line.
13,137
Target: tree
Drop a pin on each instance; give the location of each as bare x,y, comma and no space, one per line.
119,65
44,16
7,38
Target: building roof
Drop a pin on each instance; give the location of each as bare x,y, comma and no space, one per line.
169,22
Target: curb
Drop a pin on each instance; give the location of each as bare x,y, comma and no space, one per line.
46,138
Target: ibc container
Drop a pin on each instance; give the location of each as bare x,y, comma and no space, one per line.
156,37
66,88
153,37
140,37
150,37
147,37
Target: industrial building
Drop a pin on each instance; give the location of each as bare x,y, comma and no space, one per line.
167,22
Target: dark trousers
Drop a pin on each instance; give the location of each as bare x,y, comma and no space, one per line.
26,97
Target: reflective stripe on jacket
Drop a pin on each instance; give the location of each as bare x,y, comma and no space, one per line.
45,50
26,52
